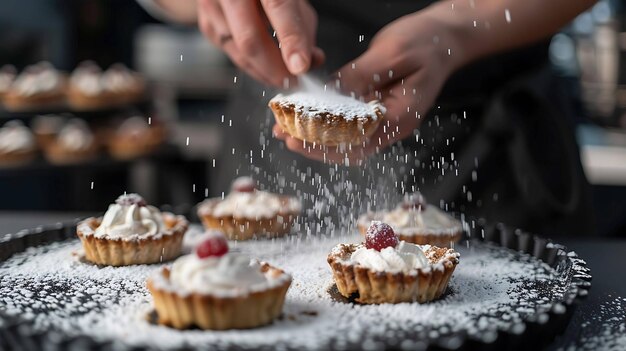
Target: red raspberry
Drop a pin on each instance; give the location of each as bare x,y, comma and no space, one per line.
244,185
379,236
215,246
130,199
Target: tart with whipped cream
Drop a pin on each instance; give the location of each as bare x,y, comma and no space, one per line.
387,270
219,290
326,118
123,85
248,212
417,222
86,89
7,76
132,232
74,143
135,138
17,144
39,86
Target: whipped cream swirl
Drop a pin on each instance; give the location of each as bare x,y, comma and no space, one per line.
231,273
16,137
118,79
405,257
87,78
130,218
255,204
430,218
38,79
7,76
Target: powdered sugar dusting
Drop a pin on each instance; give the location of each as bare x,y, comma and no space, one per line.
318,104
491,289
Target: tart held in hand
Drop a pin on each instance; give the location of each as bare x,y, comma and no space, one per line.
217,289
132,232
417,222
326,118
248,212
387,270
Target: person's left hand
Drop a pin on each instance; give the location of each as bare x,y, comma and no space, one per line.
405,68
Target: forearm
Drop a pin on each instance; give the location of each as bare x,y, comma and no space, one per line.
479,28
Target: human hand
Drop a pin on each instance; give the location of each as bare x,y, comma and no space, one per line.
240,28
405,68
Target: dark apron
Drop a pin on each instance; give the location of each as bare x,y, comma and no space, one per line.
509,116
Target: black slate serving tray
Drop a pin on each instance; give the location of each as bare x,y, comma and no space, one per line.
540,329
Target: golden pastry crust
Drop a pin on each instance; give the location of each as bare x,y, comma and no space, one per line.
420,237
127,146
17,158
205,311
374,287
78,100
247,228
110,252
327,129
59,155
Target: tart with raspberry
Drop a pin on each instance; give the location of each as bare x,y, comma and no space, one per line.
385,269
218,290
132,232
326,118
248,212
417,222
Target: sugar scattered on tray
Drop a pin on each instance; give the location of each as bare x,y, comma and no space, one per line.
491,289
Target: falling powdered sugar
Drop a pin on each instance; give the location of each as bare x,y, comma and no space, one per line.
492,289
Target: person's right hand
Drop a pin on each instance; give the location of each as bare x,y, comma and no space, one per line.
240,28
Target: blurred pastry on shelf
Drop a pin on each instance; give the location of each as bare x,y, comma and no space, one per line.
217,289
123,85
248,212
17,144
132,232
46,128
385,269
7,76
75,143
135,138
86,90
326,118
39,86
415,221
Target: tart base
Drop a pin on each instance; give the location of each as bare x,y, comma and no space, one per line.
215,312
108,252
15,159
374,287
127,147
58,155
246,229
329,129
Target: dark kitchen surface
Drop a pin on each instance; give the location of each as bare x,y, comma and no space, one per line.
593,325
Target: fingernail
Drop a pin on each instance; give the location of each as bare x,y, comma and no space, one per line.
297,64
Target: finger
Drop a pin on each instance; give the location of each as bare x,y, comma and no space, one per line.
278,132
213,25
318,57
377,67
287,18
253,40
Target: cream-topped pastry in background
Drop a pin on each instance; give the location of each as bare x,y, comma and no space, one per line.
132,232
123,85
46,128
386,270
134,137
248,212
217,289
86,89
415,221
326,118
74,143
17,144
7,76
39,86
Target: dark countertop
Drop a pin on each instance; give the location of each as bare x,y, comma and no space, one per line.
604,310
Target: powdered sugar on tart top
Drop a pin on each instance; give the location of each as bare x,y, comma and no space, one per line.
319,104
415,221
251,205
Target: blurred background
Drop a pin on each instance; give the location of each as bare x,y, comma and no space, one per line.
188,83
